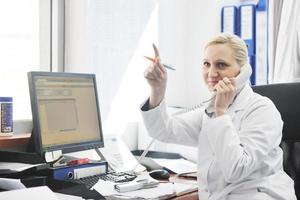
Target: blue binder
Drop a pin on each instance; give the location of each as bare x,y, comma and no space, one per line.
261,5
252,60
247,33
72,172
229,20
248,22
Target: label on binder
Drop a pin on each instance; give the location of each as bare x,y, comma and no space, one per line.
6,116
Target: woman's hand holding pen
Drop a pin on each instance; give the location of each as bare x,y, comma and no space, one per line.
156,76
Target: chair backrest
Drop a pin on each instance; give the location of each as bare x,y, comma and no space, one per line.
286,97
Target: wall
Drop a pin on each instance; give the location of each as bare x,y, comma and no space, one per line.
109,38
184,28
203,22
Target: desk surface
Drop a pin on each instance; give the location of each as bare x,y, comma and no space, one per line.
190,196
185,189
21,140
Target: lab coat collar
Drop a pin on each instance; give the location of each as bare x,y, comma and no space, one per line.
241,99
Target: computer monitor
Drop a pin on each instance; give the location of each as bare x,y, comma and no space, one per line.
65,112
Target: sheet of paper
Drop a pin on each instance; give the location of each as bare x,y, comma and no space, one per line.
177,166
106,188
16,166
11,184
162,191
184,188
67,197
35,193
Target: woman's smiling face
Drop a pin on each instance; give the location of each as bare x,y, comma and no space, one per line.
218,62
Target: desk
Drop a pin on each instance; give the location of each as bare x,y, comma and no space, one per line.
182,189
190,196
21,140
72,188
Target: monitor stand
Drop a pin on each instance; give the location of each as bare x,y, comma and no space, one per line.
99,153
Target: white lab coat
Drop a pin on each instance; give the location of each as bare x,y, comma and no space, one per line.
239,157
287,58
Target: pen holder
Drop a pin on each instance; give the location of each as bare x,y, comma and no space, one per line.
6,116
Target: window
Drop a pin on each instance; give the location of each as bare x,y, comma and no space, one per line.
19,50
110,38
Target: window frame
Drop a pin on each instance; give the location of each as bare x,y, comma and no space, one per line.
51,46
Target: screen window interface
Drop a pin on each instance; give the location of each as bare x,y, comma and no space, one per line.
67,110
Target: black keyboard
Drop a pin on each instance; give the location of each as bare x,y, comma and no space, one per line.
117,177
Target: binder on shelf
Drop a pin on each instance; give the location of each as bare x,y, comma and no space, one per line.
248,34
261,40
261,5
253,78
229,20
247,20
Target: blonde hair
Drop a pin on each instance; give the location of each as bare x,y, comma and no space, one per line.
240,51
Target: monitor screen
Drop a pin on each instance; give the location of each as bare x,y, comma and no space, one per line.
65,112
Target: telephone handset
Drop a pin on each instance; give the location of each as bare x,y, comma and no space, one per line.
243,76
240,80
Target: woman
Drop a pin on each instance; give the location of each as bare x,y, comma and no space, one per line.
237,133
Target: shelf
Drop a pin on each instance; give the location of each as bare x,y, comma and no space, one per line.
14,141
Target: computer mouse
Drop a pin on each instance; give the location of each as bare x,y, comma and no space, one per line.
159,174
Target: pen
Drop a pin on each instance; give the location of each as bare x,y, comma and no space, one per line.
166,66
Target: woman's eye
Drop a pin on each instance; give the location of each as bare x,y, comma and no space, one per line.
206,64
222,65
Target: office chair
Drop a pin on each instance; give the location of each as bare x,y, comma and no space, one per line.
286,97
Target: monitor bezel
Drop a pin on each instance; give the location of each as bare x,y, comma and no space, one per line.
36,133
